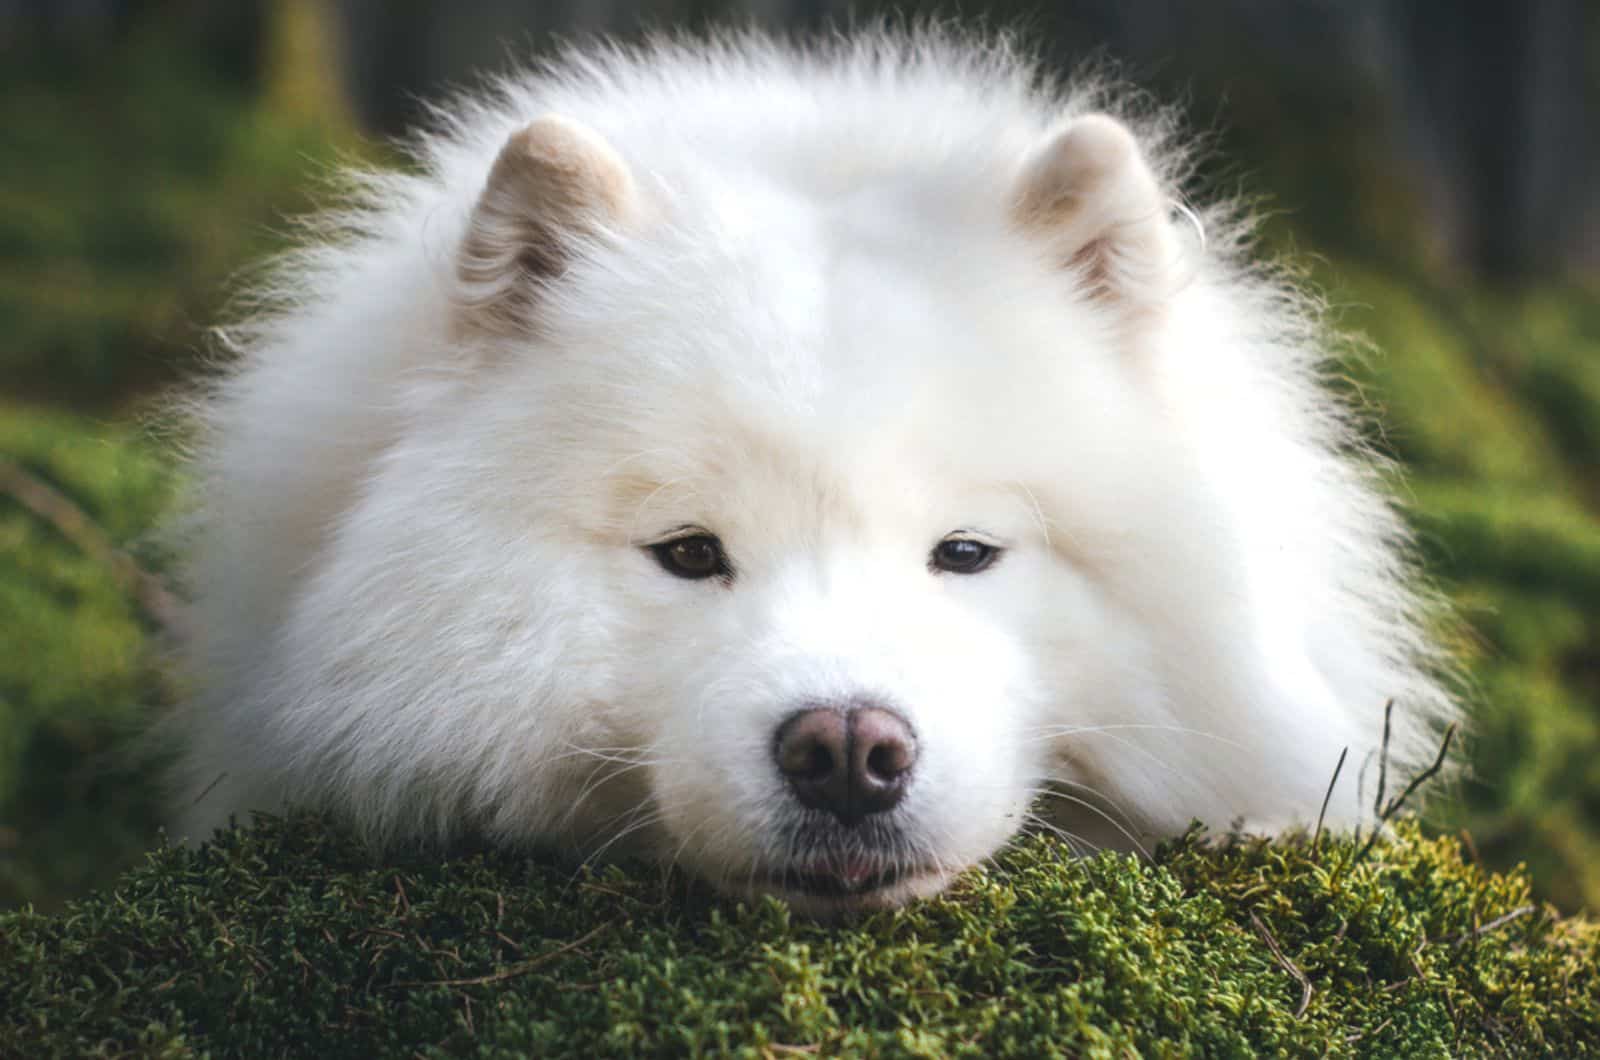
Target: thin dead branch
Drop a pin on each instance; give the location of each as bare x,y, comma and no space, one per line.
1322,813
1495,924
1383,760
73,523
1398,802
1285,963
513,971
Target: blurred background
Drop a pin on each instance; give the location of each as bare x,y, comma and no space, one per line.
1434,164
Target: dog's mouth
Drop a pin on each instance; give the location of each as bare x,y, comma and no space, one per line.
845,880
825,870
853,886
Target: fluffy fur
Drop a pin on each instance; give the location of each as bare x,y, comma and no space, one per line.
833,306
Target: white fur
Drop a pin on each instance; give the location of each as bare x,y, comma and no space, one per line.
420,596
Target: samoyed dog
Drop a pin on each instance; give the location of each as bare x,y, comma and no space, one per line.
806,466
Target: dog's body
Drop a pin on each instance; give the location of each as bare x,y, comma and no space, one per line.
789,466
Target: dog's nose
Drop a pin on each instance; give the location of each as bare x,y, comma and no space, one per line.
850,763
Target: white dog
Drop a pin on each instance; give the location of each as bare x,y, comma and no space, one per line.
805,467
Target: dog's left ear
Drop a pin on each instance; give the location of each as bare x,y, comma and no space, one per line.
1088,191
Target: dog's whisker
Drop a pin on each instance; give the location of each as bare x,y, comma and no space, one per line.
598,779
1050,732
618,755
1092,808
1075,843
649,817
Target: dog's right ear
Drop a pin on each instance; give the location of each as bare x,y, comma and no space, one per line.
553,184
1089,193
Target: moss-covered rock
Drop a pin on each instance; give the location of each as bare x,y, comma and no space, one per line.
285,939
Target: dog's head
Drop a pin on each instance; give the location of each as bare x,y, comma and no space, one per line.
809,448
786,527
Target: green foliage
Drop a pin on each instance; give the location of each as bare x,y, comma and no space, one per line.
1492,401
151,167
140,176
77,677
285,939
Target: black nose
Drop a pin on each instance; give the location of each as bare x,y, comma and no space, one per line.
850,763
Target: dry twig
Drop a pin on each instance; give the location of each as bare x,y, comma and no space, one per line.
73,523
1285,963
1338,767
1395,804
1383,761
1496,923
512,972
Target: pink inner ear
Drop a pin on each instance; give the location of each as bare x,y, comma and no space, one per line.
1091,193
1089,262
551,181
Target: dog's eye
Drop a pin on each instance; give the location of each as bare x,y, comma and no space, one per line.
694,557
962,555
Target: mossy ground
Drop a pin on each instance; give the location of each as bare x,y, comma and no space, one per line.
285,939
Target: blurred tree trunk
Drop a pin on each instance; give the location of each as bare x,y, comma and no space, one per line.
1493,110
231,32
1497,91
386,60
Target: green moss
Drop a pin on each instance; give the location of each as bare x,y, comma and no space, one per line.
284,939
